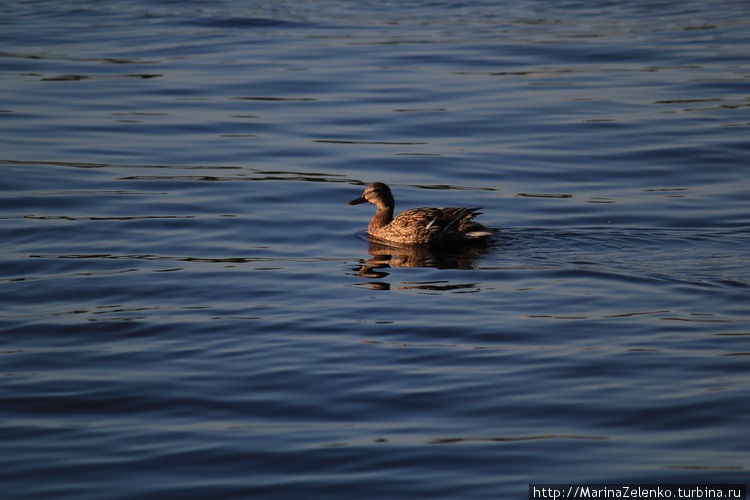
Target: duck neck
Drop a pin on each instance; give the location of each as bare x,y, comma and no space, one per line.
383,216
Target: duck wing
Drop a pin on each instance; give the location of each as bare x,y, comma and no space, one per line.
456,218
437,219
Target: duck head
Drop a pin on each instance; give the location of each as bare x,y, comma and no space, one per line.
377,193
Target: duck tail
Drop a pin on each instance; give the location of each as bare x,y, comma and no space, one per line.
478,234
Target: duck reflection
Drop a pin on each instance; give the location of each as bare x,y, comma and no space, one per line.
384,255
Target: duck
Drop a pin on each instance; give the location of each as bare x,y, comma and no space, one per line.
426,225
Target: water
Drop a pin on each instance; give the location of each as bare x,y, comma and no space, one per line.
189,310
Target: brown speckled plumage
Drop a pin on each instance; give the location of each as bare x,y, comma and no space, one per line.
419,225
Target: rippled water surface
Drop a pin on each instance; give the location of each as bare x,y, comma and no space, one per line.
190,310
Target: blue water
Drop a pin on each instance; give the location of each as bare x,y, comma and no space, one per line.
189,309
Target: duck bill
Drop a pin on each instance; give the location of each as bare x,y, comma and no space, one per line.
357,201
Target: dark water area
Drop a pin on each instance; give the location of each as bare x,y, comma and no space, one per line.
188,309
